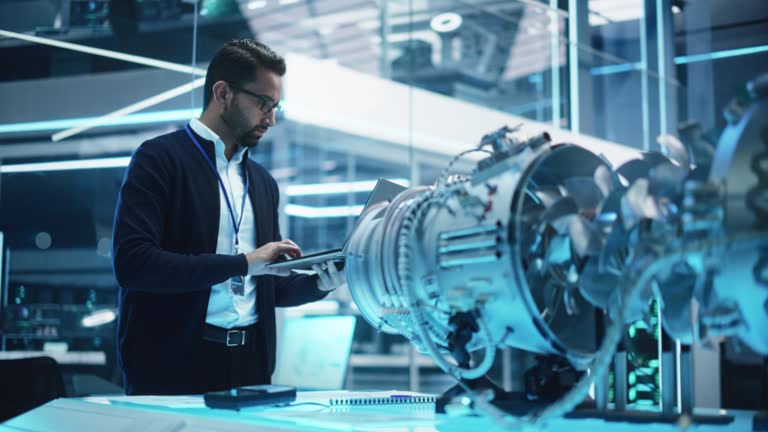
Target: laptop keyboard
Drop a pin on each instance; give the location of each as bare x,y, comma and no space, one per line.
328,252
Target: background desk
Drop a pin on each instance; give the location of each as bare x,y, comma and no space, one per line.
99,415
90,358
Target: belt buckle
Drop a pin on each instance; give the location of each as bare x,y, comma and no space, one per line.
242,338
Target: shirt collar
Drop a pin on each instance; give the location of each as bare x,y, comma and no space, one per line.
206,133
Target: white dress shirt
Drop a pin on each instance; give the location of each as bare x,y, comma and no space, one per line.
224,308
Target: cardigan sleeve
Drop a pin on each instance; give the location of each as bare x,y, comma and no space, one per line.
139,262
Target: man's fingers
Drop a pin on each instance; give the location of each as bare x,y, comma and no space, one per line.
288,246
331,266
291,243
335,274
291,249
324,278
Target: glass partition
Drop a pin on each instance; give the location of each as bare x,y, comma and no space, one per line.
388,88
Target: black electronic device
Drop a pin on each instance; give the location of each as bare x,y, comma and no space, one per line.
248,396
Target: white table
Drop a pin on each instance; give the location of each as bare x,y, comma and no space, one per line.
98,414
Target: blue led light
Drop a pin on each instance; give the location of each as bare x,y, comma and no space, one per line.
35,167
618,68
131,119
555,64
720,54
573,65
322,212
662,66
628,67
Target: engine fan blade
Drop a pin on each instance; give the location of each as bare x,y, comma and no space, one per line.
634,169
677,151
584,191
556,212
586,237
558,250
548,195
604,180
598,288
667,179
638,204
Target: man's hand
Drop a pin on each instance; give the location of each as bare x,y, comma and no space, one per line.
330,277
267,254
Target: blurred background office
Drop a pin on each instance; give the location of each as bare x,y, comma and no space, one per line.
375,88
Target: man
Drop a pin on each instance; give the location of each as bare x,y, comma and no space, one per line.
195,226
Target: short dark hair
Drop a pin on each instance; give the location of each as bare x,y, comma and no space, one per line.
237,62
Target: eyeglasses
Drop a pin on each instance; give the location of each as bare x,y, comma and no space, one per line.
267,103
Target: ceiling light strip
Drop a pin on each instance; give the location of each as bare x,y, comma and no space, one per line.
147,61
554,29
322,212
138,106
720,54
114,162
715,55
616,68
573,65
337,188
132,119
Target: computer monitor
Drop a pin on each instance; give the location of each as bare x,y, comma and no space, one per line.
313,352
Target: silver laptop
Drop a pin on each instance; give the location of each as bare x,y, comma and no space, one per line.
384,190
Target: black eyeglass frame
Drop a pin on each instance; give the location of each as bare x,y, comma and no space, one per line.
267,103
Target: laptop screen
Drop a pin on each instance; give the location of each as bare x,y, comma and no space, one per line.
313,352
384,190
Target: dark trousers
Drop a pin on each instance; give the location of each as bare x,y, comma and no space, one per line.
217,367
225,367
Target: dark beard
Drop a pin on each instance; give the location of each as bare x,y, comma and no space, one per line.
241,141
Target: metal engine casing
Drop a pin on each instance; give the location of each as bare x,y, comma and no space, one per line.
469,255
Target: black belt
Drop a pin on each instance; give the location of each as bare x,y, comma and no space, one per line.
229,337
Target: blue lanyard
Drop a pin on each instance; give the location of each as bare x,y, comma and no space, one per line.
235,224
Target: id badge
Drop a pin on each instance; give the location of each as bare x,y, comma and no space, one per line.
237,285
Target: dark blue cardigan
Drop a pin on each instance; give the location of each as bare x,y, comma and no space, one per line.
164,258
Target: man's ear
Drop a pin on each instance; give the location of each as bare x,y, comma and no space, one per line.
220,92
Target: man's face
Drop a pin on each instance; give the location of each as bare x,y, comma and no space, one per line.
243,112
